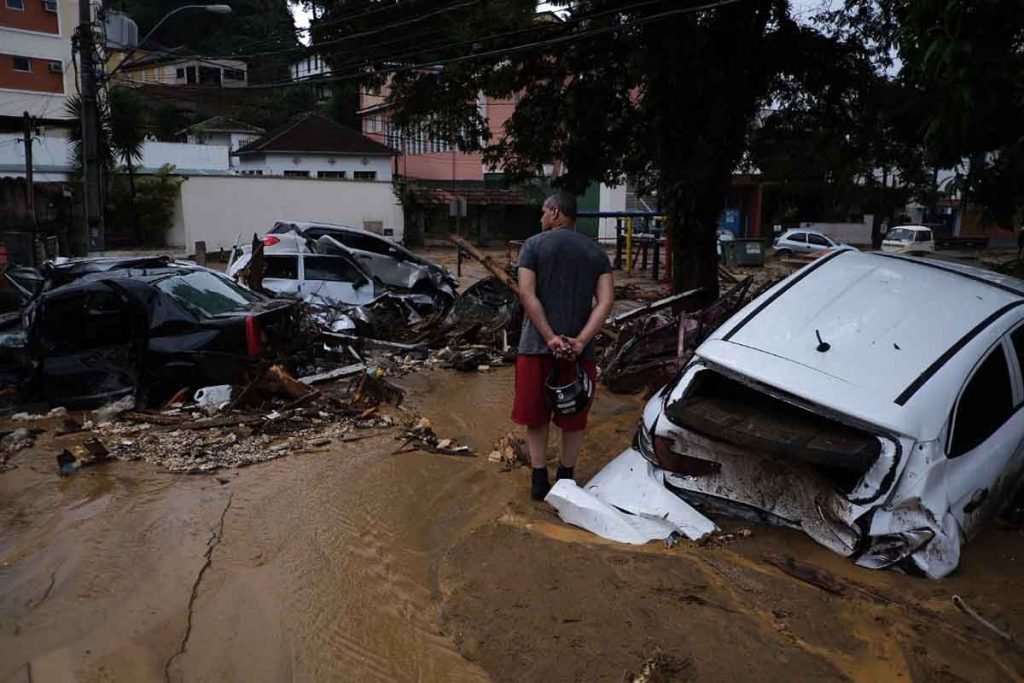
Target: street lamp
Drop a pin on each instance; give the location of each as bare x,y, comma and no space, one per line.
215,9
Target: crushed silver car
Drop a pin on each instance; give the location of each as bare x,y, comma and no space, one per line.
872,401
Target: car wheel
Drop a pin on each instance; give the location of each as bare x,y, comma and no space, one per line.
783,253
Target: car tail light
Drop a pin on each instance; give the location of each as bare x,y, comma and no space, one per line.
270,240
669,459
253,343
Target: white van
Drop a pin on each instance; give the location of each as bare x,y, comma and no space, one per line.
909,239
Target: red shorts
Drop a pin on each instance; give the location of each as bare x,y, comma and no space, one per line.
530,407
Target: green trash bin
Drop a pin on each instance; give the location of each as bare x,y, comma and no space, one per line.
745,252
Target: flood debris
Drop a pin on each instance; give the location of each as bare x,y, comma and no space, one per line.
840,404
645,347
966,609
421,437
87,453
663,668
510,451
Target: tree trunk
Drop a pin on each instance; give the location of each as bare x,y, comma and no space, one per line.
695,257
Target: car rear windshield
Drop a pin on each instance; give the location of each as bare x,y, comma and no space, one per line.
900,235
208,294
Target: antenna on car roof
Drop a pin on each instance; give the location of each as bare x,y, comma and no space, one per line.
823,346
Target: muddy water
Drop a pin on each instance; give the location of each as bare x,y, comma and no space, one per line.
353,563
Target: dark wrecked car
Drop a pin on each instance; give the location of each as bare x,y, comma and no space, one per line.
102,329
872,401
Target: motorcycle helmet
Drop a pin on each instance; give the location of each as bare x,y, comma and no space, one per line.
572,397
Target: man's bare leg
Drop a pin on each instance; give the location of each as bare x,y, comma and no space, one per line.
537,444
571,442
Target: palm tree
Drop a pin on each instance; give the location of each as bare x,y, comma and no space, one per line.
127,120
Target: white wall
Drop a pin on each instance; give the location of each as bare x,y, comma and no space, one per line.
51,157
42,46
185,157
848,233
277,164
611,199
218,208
51,160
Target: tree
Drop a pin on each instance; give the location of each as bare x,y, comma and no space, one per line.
662,92
263,29
126,119
964,62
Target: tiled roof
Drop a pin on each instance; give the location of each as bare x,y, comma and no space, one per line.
314,133
221,124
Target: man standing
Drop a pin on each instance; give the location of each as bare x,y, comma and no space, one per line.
561,274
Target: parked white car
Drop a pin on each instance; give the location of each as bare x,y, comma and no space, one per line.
909,239
796,242
872,401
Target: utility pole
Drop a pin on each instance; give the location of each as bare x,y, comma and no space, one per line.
92,237
30,188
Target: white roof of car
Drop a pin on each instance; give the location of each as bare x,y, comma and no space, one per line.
912,228
887,321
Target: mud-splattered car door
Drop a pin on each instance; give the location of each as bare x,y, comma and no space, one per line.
984,447
86,345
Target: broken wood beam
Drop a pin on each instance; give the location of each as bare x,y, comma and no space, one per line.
337,373
652,307
486,261
727,274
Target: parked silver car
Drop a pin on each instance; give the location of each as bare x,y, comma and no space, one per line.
796,242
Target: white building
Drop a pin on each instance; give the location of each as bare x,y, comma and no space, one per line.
175,67
222,132
313,66
312,146
36,72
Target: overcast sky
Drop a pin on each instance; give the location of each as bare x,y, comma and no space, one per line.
803,10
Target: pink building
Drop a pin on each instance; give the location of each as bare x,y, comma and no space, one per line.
437,173
425,158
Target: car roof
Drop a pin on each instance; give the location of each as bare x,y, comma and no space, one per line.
887,320
304,225
807,230
913,228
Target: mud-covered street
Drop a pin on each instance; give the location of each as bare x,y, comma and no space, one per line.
351,563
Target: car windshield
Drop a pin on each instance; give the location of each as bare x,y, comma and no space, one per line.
900,235
208,294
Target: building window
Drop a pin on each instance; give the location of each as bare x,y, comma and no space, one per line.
180,72
331,174
296,174
252,172
364,175
190,73
22,64
234,74
16,5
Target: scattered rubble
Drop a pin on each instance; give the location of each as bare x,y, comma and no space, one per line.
72,459
510,451
421,437
644,348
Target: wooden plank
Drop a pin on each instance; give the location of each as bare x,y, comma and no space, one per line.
486,261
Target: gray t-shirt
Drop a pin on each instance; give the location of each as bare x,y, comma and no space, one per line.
567,265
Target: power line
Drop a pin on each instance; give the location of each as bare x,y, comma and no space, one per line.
512,49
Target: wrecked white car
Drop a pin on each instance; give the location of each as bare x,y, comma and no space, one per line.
872,401
295,268
385,259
